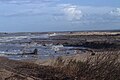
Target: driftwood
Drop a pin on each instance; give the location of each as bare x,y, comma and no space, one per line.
35,52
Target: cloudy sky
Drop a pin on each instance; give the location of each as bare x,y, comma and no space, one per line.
58,15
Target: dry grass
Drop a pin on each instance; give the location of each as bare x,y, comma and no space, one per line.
104,66
100,67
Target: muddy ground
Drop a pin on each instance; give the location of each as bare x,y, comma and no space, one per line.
97,41
27,70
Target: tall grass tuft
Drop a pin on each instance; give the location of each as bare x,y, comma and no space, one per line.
99,67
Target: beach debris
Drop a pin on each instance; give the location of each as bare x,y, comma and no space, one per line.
35,52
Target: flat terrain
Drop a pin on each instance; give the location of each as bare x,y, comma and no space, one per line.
96,56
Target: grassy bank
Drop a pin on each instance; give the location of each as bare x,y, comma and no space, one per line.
99,67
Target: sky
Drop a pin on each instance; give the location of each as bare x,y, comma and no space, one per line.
59,15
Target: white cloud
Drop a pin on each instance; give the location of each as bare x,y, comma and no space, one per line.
26,1
115,12
25,12
62,12
71,11
11,8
